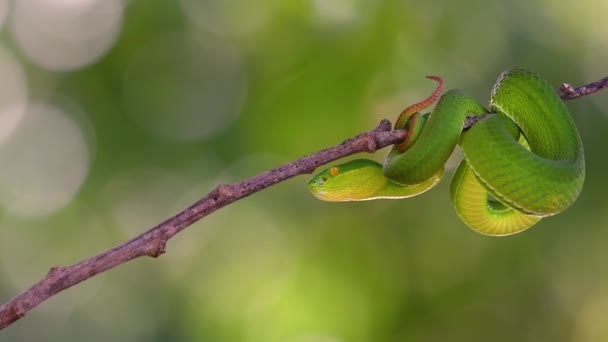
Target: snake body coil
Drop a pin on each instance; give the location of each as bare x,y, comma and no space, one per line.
524,163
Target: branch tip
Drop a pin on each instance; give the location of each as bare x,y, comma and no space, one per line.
566,89
568,92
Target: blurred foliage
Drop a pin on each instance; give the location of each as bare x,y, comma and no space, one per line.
263,84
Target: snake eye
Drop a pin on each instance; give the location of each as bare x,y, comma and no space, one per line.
334,171
324,179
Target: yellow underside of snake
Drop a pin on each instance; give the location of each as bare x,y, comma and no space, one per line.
521,164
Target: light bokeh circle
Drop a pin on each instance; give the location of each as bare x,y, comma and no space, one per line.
4,9
63,35
44,163
13,94
185,88
337,11
229,16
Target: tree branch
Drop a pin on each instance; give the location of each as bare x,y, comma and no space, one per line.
568,92
152,242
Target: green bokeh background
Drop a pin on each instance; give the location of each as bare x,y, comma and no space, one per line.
281,265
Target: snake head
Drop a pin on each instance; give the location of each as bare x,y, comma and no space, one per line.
356,180
322,185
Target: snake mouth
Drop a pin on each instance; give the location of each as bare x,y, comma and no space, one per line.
316,187
321,193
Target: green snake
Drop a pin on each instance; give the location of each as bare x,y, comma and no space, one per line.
521,164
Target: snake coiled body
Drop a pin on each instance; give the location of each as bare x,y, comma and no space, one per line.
521,164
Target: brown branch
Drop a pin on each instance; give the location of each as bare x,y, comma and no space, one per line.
152,242
568,92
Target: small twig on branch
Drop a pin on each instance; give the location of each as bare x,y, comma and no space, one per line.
152,242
